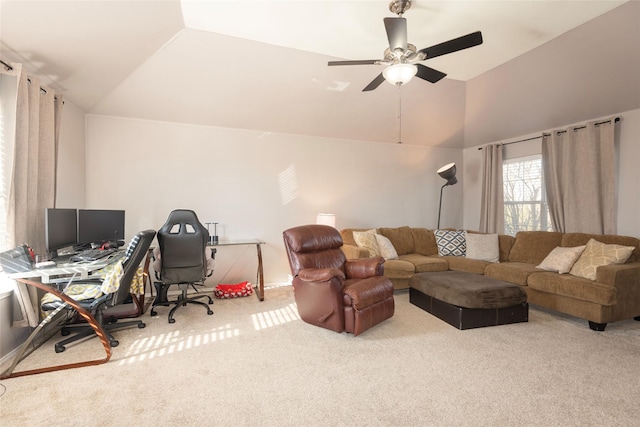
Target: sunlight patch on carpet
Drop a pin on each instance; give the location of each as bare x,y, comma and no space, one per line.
176,341
269,319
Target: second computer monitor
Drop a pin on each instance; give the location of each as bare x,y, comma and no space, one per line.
100,225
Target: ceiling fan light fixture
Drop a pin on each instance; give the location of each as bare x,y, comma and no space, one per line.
399,74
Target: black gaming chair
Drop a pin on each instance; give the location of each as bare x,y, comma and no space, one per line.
135,253
183,261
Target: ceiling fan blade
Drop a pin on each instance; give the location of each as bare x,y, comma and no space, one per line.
375,83
454,45
360,62
396,33
429,74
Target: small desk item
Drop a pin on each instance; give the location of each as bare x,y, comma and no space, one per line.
259,287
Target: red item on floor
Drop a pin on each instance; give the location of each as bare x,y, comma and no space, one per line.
243,289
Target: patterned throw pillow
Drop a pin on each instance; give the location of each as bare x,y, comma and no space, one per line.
483,247
561,259
597,254
387,251
367,240
450,242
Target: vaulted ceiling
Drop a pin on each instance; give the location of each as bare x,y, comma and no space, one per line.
262,65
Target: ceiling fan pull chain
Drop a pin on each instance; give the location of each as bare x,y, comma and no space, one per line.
399,114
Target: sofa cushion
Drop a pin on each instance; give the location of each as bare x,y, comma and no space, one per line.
426,263
399,269
533,246
483,247
513,272
457,263
506,243
424,241
450,242
597,254
347,235
387,251
561,259
578,239
573,287
367,240
401,238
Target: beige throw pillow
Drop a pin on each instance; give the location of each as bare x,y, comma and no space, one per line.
367,240
561,259
483,247
597,254
387,251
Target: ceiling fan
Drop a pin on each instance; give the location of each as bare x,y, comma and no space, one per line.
402,58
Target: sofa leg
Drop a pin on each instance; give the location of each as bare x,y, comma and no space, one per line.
597,326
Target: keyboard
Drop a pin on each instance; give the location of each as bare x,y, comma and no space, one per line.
92,254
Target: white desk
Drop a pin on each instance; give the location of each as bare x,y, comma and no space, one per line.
82,270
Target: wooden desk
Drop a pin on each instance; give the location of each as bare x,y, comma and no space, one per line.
259,286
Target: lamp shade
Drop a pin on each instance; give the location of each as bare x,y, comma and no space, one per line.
326,219
399,74
448,172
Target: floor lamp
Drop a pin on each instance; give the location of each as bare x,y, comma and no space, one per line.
447,172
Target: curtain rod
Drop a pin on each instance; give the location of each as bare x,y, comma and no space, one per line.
616,120
9,68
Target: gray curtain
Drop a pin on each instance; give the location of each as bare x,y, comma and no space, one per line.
33,180
492,204
579,173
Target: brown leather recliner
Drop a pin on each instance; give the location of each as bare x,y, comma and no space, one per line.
331,291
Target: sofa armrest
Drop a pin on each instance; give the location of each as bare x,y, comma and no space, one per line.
619,274
626,279
354,252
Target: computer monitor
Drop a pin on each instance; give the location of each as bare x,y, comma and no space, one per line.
60,229
99,225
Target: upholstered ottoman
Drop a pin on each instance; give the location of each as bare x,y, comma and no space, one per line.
468,300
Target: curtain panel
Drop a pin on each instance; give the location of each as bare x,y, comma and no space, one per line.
579,172
492,203
30,155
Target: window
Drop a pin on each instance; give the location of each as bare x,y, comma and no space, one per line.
525,202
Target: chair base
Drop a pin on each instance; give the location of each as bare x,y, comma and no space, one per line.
163,300
86,331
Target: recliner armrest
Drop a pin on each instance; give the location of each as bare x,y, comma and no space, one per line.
320,274
364,267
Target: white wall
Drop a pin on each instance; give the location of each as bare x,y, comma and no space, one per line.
70,183
590,71
627,177
242,179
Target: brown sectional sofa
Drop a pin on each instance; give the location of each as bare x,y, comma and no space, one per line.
614,294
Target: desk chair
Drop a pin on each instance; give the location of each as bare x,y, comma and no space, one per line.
98,301
182,242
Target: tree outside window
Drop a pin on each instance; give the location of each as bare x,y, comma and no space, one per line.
525,203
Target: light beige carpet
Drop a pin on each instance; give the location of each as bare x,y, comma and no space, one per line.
255,363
